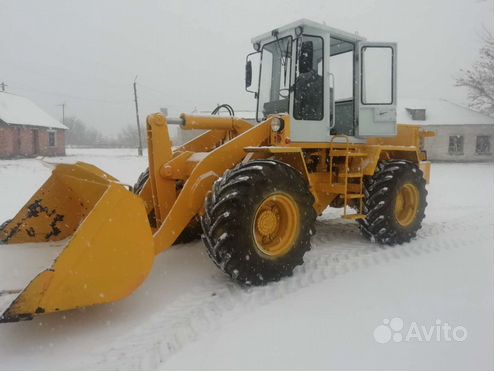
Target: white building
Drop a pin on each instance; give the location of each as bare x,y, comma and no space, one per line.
461,133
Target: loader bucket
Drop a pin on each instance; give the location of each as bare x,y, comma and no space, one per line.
107,245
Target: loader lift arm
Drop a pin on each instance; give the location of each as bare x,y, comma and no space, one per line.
195,164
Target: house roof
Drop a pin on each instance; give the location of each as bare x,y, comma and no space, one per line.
440,112
17,110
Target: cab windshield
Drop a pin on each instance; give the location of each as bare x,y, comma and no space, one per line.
274,81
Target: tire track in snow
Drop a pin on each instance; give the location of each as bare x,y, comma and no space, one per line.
338,249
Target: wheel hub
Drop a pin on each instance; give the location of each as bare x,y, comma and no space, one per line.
267,222
276,225
407,204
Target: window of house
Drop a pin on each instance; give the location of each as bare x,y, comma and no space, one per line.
483,145
456,145
416,114
52,142
18,140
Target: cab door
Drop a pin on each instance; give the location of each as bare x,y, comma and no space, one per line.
376,95
309,97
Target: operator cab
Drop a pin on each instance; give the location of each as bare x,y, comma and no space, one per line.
330,82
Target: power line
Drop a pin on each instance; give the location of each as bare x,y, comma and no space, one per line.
68,96
168,94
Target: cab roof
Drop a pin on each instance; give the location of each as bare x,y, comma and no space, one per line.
306,23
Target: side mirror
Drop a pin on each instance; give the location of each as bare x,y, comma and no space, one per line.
248,74
252,67
306,58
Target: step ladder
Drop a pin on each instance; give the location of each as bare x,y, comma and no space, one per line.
349,191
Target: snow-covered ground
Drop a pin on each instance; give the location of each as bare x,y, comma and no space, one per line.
332,314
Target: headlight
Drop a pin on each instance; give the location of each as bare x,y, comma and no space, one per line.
277,125
257,47
299,30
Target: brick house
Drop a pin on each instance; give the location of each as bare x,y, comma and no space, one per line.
461,133
27,131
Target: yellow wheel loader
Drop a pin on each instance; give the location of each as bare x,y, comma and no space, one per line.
325,134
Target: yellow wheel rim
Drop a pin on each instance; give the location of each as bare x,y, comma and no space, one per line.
407,204
276,225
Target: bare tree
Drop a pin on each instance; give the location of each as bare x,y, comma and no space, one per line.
480,78
128,137
79,134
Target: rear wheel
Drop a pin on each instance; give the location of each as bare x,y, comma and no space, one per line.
193,230
258,221
395,202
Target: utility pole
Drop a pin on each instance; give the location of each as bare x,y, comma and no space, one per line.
3,85
63,112
139,150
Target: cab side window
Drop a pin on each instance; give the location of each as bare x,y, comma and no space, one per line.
309,83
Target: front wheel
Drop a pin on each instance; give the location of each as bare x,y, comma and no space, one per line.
3,237
394,204
258,221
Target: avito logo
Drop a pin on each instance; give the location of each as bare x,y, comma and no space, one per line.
394,330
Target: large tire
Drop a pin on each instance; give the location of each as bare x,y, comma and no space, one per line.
4,224
258,221
2,227
191,233
141,181
394,203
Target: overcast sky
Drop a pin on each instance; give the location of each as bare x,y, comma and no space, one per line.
192,53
